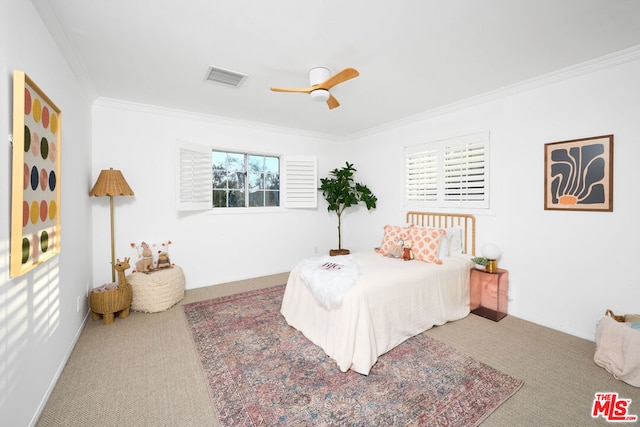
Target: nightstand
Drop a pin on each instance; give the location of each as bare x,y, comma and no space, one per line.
489,293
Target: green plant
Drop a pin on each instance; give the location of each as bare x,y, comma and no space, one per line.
480,260
341,192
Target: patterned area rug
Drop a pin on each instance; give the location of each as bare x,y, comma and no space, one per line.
262,372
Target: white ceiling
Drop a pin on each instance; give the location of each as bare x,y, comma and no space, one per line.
413,55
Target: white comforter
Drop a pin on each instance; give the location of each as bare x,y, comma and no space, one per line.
391,301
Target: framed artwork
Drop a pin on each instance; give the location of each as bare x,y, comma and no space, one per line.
578,174
35,198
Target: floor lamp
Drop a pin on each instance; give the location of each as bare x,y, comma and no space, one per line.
111,183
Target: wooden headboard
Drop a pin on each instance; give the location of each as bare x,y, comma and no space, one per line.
443,220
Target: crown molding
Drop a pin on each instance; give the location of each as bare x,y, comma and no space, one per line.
598,64
69,51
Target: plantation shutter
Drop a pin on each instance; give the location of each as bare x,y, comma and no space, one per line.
464,172
421,175
301,182
195,190
451,172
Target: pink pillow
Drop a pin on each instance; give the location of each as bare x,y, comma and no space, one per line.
426,243
392,233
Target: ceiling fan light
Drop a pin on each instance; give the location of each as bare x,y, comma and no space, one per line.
320,95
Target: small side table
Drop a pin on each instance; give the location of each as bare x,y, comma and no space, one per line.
489,293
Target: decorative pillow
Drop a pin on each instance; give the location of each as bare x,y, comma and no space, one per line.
426,243
454,238
156,249
393,233
443,248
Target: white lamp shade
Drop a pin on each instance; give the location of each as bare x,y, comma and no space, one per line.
490,251
320,95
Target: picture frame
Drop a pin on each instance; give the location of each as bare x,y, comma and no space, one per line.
578,174
35,189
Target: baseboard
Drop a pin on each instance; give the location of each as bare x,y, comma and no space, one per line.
56,377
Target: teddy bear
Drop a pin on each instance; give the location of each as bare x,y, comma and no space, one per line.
163,260
145,263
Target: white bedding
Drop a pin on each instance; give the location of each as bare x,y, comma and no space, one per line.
329,278
391,301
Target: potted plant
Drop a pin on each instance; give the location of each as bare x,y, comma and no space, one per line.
341,191
480,262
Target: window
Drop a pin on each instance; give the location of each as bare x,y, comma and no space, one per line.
449,173
245,180
213,179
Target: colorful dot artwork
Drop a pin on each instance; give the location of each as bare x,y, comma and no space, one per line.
40,204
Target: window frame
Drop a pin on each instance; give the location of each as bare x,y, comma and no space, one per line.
428,178
246,155
298,180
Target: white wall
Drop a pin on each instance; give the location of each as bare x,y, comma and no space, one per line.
141,141
39,322
565,268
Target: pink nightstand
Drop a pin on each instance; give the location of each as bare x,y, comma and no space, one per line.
489,293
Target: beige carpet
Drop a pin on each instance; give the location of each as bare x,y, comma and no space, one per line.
144,371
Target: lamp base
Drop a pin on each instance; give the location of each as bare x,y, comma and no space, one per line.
492,267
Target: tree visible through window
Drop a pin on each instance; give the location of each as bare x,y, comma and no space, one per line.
245,180
205,173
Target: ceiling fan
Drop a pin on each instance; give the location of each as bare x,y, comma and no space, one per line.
321,81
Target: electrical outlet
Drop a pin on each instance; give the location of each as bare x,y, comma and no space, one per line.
78,303
315,249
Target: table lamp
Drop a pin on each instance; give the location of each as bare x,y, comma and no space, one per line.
111,183
491,252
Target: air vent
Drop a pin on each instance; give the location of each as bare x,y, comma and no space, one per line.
226,77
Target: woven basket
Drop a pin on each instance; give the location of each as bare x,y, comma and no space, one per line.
110,302
157,291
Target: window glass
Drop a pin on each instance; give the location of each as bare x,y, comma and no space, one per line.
236,175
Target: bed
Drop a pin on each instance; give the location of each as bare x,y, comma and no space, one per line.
387,300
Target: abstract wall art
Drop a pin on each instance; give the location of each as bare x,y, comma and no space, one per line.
578,174
35,198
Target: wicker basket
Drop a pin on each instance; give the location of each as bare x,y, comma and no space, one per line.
109,303
157,291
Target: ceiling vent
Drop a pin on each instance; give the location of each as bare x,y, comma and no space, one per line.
226,77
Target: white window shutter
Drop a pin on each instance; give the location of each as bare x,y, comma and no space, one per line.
195,174
464,172
301,182
451,172
421,175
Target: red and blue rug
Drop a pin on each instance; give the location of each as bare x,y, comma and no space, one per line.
262,372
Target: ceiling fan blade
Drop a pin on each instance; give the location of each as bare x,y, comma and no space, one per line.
332,102
299,90
342,76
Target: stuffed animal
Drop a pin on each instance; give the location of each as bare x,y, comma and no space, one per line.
163,260
396,249
145,264
623,317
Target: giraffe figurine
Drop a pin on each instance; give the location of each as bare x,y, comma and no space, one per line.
113,301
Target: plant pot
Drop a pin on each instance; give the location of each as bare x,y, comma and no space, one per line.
334,252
